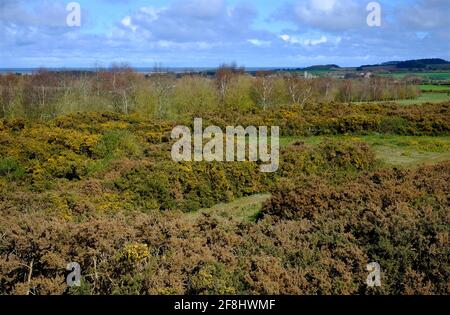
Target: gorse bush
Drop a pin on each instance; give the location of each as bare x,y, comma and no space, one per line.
191,186
136,171
101,189
331,158
399,219
336,118
133,154
312,238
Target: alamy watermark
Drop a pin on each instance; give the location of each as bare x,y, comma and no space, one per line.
374,17
235,143
374,277
73,19
74,277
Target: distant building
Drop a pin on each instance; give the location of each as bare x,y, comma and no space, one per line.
309,76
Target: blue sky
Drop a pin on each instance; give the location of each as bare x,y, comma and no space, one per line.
196,33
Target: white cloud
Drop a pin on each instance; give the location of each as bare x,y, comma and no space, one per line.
290,39
192,21
127,22
426,15
323,5
315,42
328,15
285,37
201,32
259,43
151,14
306,41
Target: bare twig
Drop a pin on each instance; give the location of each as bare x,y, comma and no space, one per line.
30,271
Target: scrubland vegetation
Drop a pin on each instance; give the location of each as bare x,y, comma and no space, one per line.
45,95
86,176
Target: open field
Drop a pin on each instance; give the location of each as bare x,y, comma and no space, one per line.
435,88
426,98
424,75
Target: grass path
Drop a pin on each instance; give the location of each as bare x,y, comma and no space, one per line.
242,209
426,98
400,157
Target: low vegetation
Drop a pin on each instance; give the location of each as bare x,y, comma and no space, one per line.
311,237
86,176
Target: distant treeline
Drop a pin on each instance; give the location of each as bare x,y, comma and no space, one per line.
46,94
418,64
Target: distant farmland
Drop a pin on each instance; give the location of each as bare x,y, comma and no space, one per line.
424,75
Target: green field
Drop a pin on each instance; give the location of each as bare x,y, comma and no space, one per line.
424,75
426,98
435,88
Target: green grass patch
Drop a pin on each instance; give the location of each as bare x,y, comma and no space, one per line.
434,88
114,145
243,209
426,98
11,168
409,157
118,143
425,75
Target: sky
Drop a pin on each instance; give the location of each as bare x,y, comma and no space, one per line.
207,33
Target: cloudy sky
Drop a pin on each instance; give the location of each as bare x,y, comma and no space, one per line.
196,33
